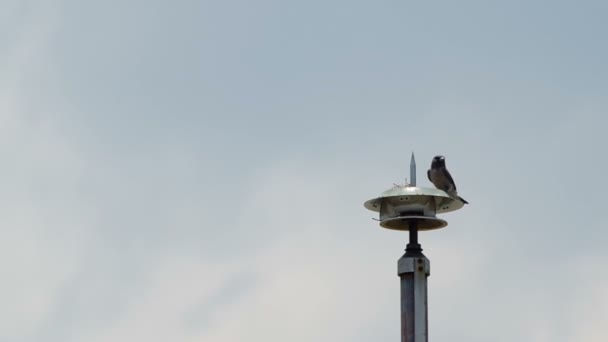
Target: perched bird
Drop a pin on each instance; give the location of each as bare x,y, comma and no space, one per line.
440,177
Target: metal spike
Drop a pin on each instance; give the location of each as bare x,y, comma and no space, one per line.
413,170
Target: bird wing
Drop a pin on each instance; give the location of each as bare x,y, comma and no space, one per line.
449,177
428,174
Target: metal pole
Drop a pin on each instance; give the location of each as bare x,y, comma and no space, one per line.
413,268
412,208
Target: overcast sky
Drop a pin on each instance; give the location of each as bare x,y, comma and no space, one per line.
195,170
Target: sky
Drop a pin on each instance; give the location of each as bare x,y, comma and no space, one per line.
196,170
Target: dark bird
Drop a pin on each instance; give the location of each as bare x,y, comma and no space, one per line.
440,177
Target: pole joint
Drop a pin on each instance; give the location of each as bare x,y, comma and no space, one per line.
413,249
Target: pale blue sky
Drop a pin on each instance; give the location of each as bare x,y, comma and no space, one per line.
195,170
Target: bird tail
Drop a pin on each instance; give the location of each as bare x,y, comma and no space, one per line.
463,201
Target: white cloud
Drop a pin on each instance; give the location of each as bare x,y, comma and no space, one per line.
41,219
44,225
159,312
589,306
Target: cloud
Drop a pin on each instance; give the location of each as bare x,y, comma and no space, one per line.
41,216
42,219
160,185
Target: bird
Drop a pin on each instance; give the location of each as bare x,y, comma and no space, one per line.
440,177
